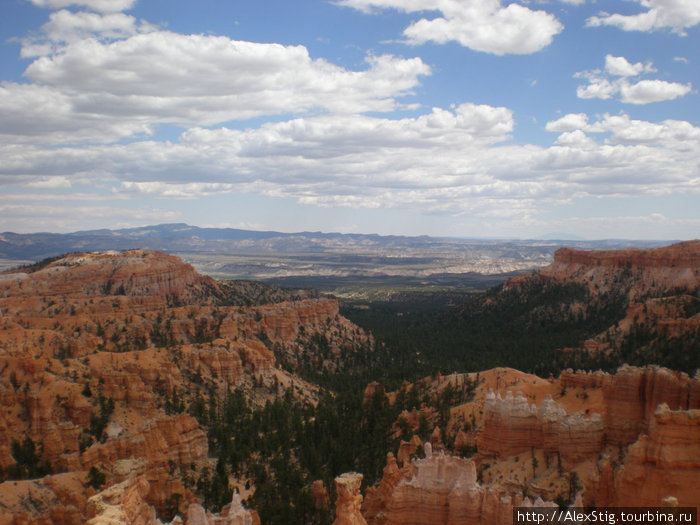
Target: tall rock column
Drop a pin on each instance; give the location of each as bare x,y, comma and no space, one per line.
347,508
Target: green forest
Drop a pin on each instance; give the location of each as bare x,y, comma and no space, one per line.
286,445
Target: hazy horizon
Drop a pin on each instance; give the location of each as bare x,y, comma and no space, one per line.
547,237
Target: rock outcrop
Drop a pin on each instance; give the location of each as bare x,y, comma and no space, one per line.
349,503
232,514
102,354
439,489
663,463
62,498
426,496
123,503
512,426
649,296
674,266
178,440
131,274
633,394
623,439
320,495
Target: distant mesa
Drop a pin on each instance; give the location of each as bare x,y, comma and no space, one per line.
561,236
306,254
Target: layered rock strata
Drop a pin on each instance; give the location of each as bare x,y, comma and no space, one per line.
101,354
633,394
655,291
512,426
630,398
663,463
674,266
439,489
623,439
349,502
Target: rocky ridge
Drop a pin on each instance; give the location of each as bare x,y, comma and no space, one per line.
661,286
101,356
651,299
629,438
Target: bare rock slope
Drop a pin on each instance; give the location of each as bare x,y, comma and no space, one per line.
102,356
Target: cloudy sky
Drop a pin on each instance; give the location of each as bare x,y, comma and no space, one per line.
470,118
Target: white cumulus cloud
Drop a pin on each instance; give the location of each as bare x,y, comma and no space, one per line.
597,87
456,162
41,114
676,15
482,25
101,82
619,66
647,91
669,134
570,122
617,80
66,27
100,90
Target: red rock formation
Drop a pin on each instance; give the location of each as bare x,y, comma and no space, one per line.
146,333
408,449
425,497
630,397
320,495
232,514
599,488
581,379
177,439
122,503
654,270
369,392
377,498
532,447
62,495
438,489
644,277
131,273
349,503
665,463
282,323
633,394
680,255
512,426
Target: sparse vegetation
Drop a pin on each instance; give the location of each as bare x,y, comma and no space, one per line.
28,460
262,432
96,478
98,422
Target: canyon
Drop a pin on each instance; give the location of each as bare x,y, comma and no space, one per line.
658,288
118,371
630,437
101,353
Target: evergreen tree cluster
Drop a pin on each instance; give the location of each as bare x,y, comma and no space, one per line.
28,461
284,446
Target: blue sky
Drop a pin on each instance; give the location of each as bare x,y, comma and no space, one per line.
469,118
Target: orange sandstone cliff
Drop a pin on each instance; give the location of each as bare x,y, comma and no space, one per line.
100,356
659,288
625,439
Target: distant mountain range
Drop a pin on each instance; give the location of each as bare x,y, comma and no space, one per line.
268,254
